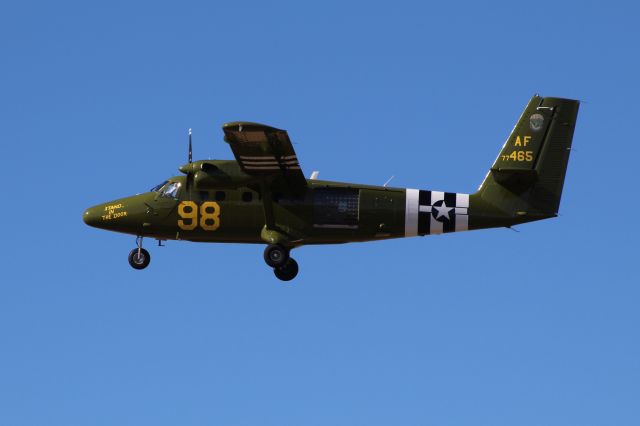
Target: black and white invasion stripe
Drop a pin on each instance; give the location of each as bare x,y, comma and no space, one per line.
269,162
435,212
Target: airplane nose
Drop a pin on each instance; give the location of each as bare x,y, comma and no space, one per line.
91,216
126,215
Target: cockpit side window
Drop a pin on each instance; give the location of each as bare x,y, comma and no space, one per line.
157,187
170,190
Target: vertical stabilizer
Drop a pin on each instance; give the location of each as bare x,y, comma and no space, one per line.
526,179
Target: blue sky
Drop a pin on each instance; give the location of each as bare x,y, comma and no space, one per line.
486,328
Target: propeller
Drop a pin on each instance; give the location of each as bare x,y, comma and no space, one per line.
190,149
189,168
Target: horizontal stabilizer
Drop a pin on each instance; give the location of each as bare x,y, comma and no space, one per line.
516,180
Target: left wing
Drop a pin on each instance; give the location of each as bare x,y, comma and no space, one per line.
265,151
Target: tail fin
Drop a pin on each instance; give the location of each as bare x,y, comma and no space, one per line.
526,180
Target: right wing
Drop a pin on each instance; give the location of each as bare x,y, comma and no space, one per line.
265,151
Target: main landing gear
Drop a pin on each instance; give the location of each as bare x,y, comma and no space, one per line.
139,258
284,267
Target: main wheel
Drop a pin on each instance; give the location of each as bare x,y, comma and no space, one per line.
288,271
275,255
139,260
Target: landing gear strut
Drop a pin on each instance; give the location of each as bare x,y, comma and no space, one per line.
139,258
284,267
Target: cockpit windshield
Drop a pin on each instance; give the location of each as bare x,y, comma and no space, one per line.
157,187
170,190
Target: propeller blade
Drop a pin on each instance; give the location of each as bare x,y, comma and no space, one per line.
190,148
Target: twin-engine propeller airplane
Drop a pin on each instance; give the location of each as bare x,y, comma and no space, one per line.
263,197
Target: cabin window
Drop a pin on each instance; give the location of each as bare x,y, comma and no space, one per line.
336,207
220,195
170,190
247,196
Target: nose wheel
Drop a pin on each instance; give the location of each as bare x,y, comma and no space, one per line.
139,258
284,267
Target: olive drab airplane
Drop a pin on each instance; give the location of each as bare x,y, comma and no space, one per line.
262,196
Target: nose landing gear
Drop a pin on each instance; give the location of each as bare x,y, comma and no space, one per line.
139,258
284,267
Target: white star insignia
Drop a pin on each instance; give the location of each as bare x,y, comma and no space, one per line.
443,210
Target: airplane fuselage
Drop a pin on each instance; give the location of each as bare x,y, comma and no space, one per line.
327,213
